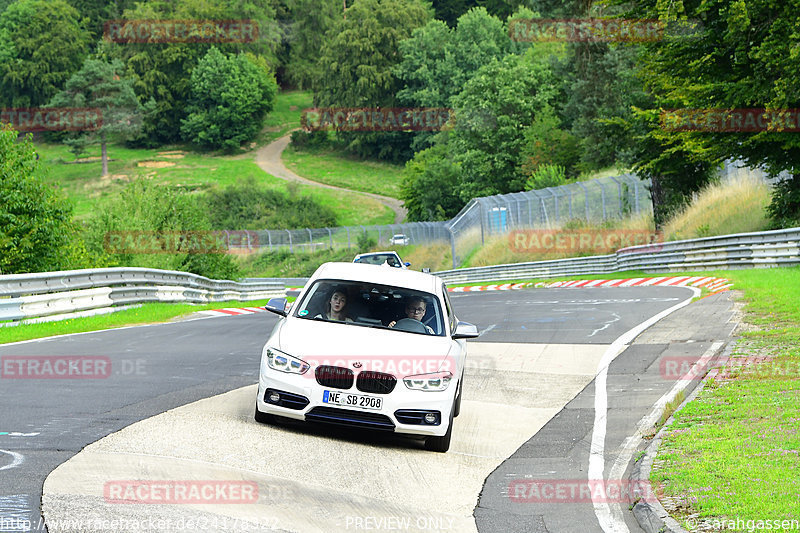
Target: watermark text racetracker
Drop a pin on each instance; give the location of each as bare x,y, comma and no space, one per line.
180,31
68,367
579,491
731,120
211,523
376,119
36,119
598,30
580,241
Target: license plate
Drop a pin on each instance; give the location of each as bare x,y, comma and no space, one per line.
344,399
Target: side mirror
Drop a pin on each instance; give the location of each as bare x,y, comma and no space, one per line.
465,330
277,306
407,264
426,270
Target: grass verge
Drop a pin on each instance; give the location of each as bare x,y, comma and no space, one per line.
285,117
342,170
732,453
146,314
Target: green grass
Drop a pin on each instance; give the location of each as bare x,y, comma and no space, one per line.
286,115
194,172
146,314
342,170
732,453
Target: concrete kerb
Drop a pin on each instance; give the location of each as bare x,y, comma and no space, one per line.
653,517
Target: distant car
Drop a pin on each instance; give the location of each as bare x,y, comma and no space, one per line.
400,239
391,259
370,348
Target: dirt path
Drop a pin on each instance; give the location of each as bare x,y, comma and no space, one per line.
269,159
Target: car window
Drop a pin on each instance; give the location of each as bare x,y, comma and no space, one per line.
379,259
371,305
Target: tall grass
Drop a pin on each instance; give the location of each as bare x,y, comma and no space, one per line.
504,249
735,206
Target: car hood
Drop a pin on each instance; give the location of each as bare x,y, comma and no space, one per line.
299,336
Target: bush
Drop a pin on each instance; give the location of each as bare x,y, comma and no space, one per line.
230,97
248,205
36,231
546,176
309,139
784,209
146,212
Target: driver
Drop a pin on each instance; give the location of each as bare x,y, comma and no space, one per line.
415,310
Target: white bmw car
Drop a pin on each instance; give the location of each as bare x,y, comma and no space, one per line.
367,347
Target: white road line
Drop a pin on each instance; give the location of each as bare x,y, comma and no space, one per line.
18,460
645,424
597,451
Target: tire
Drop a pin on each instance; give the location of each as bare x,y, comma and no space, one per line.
457,405
441,444
264,418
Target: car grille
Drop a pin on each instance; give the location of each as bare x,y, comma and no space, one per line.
336,377
375,382
346,417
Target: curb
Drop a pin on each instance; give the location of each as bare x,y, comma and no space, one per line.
652,517
710,283
232,311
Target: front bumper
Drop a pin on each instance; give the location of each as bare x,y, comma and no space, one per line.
399,411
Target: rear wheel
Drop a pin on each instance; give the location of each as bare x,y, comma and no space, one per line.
441,444
264,418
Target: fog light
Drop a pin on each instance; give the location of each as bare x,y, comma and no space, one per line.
430,418
274,397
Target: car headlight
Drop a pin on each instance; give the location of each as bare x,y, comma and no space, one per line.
437,381
283,362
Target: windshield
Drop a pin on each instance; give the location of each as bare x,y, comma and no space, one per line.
379,259
372,305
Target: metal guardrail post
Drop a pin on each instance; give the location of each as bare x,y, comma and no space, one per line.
585,198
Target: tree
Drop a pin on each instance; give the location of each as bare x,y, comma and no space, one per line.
162,71
504,97
42,42
230,97
430,185
449,10
742,55
35,225
357,63
438,61
101,85
311,21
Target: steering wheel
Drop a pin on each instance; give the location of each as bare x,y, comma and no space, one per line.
409,324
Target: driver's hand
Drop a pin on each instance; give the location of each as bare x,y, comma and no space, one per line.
392,323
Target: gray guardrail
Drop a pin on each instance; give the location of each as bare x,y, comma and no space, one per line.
53,293
724,252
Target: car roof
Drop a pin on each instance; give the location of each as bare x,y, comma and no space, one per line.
397,277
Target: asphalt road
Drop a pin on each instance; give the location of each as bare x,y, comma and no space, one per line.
156,368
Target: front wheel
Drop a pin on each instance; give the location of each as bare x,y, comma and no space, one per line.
457,406
441,444
264,418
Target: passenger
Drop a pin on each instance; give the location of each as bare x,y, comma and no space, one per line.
335,308
415,310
